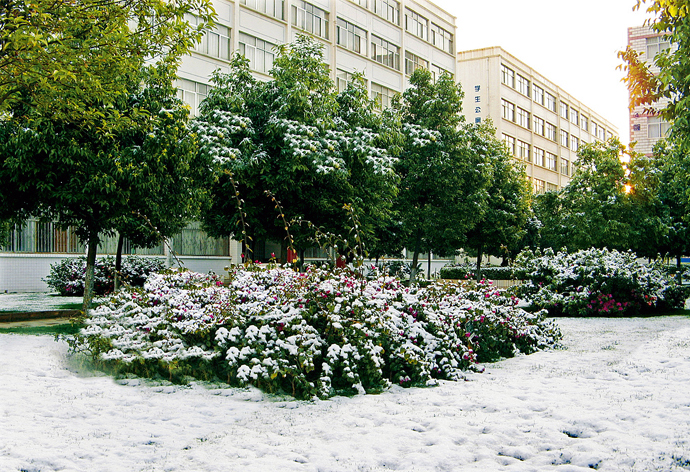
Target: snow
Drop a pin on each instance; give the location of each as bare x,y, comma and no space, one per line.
616,398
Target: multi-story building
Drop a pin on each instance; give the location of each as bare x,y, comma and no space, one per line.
386,40
542,125
646,126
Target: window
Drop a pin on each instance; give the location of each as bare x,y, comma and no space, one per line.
539,157
361,3
523,151
310,18
382,95
564,138
416,24
538,126
523,118
574,143
564,110
539,186
215,42
601,133
341,79
272,8
574,117
351,36
551,161
508,76
441,38
191,93
609,135
550,131
551,187
258,51
538,94
657,127
388,9
510,144
550,102
595,129
523,85
384,52
508,110
437,72
414,62
654,46
565,166
584,123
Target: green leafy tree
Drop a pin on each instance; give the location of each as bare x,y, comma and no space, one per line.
59,57
595,210
67,74
503,225
444,167
312,149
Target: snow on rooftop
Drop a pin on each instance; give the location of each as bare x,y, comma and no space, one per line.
617,398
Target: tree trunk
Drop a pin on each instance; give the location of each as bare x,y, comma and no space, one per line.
90,266
415,257
118,262
428,266
480,254
679,273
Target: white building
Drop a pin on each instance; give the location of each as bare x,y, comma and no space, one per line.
384,39
542,125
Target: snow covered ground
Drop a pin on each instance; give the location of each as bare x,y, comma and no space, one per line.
616,399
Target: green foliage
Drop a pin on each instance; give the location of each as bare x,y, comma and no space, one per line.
596,282
501,229
67,276
313,334
313,150
59,58
444,167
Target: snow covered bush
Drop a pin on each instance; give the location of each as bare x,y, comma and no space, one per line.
309,334
67,276
595,282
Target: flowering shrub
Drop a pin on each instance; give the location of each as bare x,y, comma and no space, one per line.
596,282
307,334
67,276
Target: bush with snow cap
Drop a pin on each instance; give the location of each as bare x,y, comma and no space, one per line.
595,282
313,334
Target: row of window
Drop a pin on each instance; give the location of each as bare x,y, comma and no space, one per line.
516,81
520,116
538,156
541,186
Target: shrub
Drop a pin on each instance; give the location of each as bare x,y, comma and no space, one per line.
595,282
307,334
67,276
461,272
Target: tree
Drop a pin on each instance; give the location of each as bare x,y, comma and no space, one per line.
312,149
67,72
59,57
595,211
500,229
444,167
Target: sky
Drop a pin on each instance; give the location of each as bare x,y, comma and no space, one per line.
617,397
573,44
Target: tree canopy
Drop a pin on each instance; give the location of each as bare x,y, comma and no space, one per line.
312,149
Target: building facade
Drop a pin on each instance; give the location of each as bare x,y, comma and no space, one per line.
542,125
646,126
386,40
